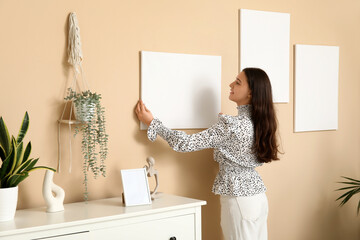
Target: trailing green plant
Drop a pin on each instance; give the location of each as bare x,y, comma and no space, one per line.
353,188
16,162
89,110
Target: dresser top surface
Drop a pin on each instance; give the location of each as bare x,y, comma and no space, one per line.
92,211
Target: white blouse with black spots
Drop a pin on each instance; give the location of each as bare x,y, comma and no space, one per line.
232,138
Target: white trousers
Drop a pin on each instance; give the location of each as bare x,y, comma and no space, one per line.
244,218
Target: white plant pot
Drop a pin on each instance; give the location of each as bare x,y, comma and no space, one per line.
85,113
8,203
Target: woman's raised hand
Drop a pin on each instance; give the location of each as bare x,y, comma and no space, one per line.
143,114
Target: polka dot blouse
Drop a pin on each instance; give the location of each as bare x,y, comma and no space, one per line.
231,138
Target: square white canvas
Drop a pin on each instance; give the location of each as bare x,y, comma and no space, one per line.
182,90
265,44
135,186
316,87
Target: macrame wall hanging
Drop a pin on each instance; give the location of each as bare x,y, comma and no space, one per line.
74,59
82,108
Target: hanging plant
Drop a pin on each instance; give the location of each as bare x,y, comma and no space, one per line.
94,142
89,113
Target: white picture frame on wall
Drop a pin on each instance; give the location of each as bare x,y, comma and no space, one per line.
316,88
182,90
135,187
265,43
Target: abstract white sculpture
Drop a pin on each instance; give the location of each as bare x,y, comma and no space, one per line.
54,203
152,172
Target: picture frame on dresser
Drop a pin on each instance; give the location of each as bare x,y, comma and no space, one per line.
135,187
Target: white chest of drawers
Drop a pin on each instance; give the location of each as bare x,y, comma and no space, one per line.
167,218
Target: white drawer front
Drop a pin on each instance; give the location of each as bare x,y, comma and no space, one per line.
75,236
180,227
50,235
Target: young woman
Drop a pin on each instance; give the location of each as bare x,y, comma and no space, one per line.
241,143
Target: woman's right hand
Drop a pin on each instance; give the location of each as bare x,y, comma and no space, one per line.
143,114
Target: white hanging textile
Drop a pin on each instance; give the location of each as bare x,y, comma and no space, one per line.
74,43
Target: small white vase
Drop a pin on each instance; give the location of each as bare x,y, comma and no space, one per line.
53,203
8,203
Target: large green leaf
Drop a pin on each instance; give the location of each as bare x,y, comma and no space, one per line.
27,152
23,129
2,153
4,137
4,183
13,161
348,195
344,195
350,183
15,179
351,179
24,166
345,188
31,165
19,156
42,167
6,165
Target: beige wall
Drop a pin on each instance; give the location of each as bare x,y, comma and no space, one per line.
34,75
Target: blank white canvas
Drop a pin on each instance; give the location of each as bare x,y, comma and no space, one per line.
265,44
316,87
135,186
182,90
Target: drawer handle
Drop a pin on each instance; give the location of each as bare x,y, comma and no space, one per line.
173,238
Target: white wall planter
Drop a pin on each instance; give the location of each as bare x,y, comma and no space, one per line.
85,112
8,203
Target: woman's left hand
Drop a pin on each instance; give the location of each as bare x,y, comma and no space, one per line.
143,114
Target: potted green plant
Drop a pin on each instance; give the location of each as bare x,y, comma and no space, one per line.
16,166
89,111
353,188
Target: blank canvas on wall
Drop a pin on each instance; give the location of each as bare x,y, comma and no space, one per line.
182,90
316,87
265,44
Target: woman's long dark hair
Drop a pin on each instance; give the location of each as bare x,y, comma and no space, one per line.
263,115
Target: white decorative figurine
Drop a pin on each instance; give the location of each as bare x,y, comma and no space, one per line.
152,172
54,203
